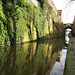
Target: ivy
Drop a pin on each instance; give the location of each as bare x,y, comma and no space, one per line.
39,22
15,19
4,38
41,3
53,12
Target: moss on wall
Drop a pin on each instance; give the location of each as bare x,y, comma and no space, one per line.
4,38
21,22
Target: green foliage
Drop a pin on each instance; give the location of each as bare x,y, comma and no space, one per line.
39,22
20,2
4,52
41,3
41,0
4,38
16,24
53,12
15,19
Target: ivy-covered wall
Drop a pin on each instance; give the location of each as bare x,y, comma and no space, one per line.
4,38
21,22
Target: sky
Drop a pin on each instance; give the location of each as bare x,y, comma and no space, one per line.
68,10
58,4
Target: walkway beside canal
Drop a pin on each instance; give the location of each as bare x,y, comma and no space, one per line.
70,61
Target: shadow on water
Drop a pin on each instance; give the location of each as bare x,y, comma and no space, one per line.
35,58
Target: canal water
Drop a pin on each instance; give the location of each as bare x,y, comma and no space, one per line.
35,58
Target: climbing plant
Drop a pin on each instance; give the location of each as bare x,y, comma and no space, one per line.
39,22
4,38
53,12
15,18
41,3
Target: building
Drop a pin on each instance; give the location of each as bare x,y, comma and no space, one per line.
59,12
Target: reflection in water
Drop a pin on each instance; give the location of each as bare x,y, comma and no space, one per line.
58,68
36,58
67,35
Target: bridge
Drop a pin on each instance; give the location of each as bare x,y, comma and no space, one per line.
68,26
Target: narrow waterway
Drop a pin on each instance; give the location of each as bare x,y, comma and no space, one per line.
35,58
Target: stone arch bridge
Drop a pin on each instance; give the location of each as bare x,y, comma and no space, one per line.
68,26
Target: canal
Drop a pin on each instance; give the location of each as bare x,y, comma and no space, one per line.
35,58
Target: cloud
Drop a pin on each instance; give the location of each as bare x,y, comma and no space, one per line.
68,9
68,12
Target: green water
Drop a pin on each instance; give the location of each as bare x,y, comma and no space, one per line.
35,58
